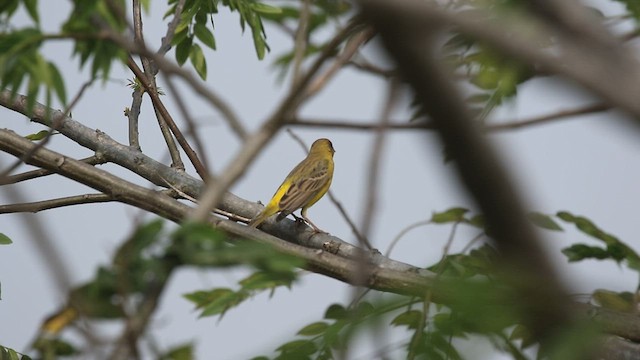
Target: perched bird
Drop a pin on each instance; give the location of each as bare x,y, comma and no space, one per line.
304,186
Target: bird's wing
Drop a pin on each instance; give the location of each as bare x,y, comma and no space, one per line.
304,189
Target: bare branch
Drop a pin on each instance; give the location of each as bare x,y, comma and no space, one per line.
369,125
301,40
150,73
34,174
34,207
164,113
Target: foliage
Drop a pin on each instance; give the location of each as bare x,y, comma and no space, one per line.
10,354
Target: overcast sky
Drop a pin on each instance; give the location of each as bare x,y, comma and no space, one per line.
587,165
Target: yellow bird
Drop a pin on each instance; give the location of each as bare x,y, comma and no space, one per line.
304,186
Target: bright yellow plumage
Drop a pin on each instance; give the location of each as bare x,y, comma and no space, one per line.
304,186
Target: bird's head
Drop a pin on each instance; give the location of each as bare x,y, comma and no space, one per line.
322,146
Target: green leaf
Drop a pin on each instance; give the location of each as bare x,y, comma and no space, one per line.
544,221
477,221
313,329
261,280
205,35
183,49
450,215
198,61
616,249
216,301
411,319
633,7
616,301
579,252
57,83
297,349
5,240
522,333
32,9
37,136
336,312
182,352
265,9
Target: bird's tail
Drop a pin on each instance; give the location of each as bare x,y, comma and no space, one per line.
257,220
264,214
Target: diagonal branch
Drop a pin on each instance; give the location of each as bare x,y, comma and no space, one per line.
407,39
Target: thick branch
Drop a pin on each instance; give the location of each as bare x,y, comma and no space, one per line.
409,280
407,39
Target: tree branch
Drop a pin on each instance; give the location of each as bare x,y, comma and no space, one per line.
407,38
34,207
514,124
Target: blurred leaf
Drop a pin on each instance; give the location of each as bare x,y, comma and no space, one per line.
5,240
524,335
579,252
32,9
411,319
616,249
451,215
477,221
448,324
336,312
182,352
216,301
544,221
297,349
623,301
332,335
261,280
265,9
633,7
313,329
54,348
95,299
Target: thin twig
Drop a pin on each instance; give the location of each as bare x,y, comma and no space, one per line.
348,52
34,174
150,72
191,124
402,233
301,39
372,183
171,31
157,103
36,206
368,125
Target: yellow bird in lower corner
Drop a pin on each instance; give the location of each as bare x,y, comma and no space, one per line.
304,186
